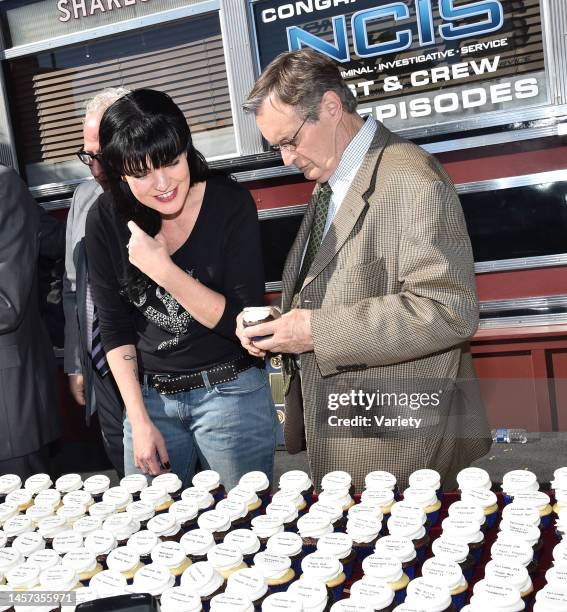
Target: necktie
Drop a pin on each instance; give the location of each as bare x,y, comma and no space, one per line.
321,199
97,352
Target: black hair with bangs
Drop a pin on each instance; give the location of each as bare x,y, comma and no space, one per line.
144,129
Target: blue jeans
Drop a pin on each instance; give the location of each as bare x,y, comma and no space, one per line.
230,428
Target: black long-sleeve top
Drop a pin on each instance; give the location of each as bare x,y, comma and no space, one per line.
223,252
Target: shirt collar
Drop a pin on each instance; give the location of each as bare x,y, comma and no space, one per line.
354,153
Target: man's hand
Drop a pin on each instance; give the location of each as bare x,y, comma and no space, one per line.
77,388
150,255
150,452
290,333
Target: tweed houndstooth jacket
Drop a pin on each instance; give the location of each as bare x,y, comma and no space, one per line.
392,290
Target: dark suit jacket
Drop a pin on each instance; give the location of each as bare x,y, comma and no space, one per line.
393,294
28,400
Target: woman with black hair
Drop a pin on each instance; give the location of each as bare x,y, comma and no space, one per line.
174,255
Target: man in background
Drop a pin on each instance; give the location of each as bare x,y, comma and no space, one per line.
29,411
90,380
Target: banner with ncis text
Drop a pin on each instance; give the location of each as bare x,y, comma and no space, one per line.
418,63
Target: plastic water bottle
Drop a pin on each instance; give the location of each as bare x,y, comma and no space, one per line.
504,435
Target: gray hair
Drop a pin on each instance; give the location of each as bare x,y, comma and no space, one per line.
300,79
104,99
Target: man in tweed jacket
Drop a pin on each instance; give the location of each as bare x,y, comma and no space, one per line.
389,300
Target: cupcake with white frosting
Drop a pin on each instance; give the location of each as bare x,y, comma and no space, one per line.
406,527
171,483
23,577
508,548
141,512
388,570
326,569
528,533
453,549
250,583
83,498
513,573
237,511
109,583
311,527
286,512
522,514
276,569
209,480
72,512
380,480
473,478
7,511
9,483
119,497
153,579
166,527
37,483
159,498
186,513
373,593
467,530
351,605
102,510
464,510
246,541
539,500
180,599
297,480
339,496
497,596
68,482
45,559
426,498
248,497
339,545
17,525
383,499
143,542
227,602
37,513
290,495
557,576
283,602
59,578
126,560
429,595
21,498
28,543
48,497
134,484
100,543
83,562
96,485
551,598
333,512
9,559
287,544
197,543
449,574
560,501
313,594
517,481
171,555
264,527
485,499
49,527
203,579
402,549
121,526
203,499
430,479
364,533
226,559
338,479
258,482
364,510
216,522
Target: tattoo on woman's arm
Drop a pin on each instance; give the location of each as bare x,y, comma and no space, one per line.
135,360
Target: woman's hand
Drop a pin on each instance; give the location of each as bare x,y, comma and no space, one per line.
150,453
149,255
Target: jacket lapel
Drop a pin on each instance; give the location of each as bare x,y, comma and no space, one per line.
354,204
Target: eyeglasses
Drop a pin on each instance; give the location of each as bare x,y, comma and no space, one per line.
88,158
288,145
